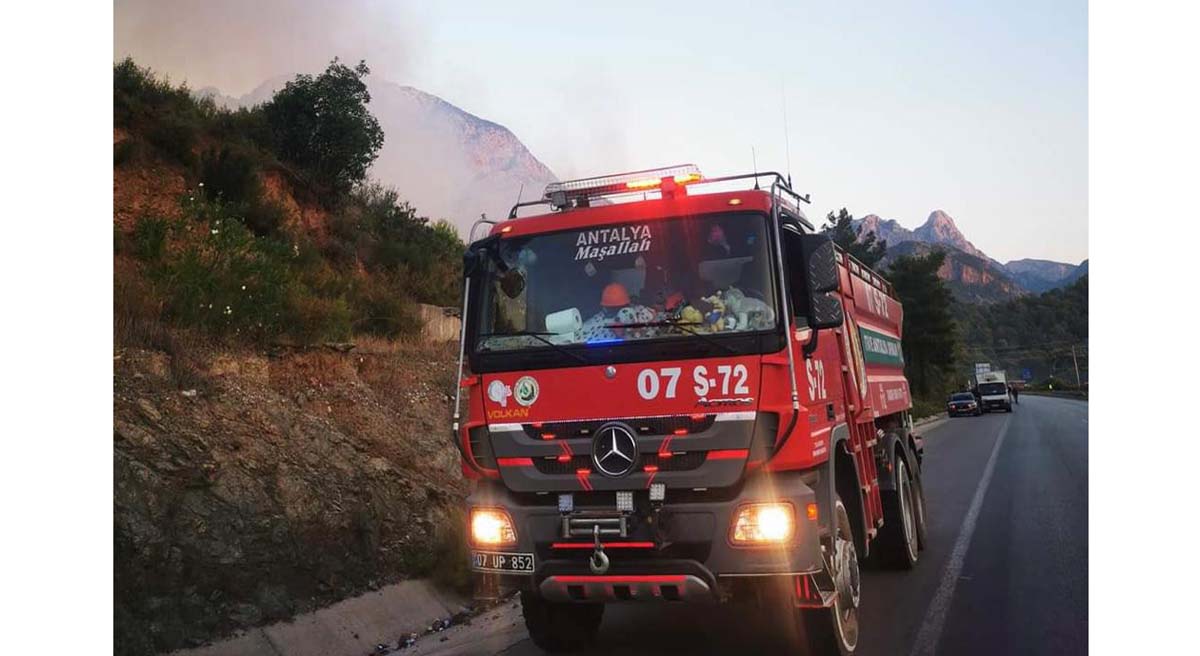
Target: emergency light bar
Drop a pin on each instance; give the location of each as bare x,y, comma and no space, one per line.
561,193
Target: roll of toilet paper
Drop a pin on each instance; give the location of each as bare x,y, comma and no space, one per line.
564,321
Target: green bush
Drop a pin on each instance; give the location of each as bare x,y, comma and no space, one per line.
126,151
927,408
313,319
149,239
229,174
381,308
229,281
322,125
175,137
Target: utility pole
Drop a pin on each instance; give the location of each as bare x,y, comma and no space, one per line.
1076,360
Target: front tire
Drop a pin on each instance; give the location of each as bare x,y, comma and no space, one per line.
899,540
835,630
560,627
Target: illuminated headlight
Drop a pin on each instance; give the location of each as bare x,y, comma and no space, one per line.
658,491
625,501
763,523
492,527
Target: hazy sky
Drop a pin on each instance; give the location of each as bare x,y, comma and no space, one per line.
893,108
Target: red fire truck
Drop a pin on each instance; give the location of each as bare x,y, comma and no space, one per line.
678,391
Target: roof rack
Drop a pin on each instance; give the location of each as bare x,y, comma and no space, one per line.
581,192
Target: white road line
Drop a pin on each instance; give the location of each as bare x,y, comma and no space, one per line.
935,617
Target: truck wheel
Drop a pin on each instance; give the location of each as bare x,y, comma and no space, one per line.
835,630
919,506
560,627
899,539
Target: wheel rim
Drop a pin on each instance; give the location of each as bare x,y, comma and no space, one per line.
846,578
908,514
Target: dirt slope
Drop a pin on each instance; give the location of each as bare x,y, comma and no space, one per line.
281,483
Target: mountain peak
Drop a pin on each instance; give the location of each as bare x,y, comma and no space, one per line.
940,228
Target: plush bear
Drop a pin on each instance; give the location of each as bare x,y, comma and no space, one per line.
751,313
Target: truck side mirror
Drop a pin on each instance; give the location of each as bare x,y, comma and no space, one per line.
826,311
814,274
820,262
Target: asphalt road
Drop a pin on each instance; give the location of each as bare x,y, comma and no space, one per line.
1005,571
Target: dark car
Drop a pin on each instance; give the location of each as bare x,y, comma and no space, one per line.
963,403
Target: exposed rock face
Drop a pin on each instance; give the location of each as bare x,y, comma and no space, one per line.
445,161
972,279
279,485
939,228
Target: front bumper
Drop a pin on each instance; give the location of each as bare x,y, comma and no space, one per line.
682,551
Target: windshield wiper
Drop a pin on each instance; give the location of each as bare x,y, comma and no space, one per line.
678,324
541,337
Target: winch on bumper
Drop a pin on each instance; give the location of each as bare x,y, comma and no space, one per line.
584,548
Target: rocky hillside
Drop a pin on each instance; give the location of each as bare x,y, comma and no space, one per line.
446,161
251,486
280,420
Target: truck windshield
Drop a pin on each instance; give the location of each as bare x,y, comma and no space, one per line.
992,389
669,278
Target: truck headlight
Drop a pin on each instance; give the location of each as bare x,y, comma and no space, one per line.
492,527
763,523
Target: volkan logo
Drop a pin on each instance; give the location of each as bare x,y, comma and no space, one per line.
526,390
498,392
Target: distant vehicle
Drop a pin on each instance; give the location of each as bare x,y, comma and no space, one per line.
963,403
992,388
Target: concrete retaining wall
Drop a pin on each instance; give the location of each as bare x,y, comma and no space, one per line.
438,324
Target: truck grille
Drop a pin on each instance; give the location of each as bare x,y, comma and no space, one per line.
643,425
678,462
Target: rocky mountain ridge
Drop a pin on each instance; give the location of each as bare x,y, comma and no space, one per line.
973,275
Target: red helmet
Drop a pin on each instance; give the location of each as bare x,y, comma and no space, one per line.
614,295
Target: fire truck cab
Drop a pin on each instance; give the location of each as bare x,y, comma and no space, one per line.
678,391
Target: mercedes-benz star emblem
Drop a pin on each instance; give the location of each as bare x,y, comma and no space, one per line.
614,451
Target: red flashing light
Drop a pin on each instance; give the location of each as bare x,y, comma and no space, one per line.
698,417
729,454
679,431
564,458
515,462
548,436
650,469
584,471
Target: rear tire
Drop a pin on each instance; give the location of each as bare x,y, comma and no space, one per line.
835,630
560,627
898,544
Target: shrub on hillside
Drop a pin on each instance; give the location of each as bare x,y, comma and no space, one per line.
322,125
169,116
227,281
149,239
313,319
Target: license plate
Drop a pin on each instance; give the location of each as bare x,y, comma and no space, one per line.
487,561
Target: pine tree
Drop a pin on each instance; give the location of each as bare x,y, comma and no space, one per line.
865,248
931,337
